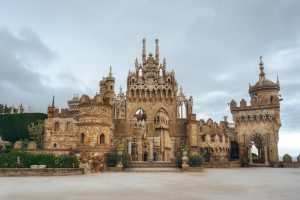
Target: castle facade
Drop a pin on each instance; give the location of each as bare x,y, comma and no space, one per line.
154,119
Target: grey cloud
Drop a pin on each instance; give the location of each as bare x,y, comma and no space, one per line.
211,45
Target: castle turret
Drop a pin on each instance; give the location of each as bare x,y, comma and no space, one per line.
107,87
52,111
258,124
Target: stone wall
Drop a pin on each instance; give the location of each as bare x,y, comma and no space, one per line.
233,164
41,172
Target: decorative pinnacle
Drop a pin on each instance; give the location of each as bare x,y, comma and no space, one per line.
120,91
144,49
164,62
53,104
110,71
261,67
157,50
136,63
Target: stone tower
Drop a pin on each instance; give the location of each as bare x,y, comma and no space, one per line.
258,124
151,107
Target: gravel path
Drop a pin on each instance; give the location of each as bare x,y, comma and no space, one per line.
244,183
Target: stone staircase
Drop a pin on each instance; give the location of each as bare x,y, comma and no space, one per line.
158,166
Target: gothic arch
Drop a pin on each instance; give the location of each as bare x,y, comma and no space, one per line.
82,138
102,138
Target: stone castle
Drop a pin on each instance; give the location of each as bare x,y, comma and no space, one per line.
153,119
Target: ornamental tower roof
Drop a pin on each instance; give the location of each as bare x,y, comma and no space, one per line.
263,83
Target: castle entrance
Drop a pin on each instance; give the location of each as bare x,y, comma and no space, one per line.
257,150
234,150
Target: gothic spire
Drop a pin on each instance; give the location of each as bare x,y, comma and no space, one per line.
53,104
157,50
261,67
144,50
110,71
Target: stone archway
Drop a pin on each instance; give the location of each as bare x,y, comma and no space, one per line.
257,143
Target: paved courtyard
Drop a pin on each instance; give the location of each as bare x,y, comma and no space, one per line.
244,183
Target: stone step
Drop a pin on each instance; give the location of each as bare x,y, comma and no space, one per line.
259,165
142,164
151,169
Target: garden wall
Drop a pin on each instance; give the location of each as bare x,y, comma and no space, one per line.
41,172
233,164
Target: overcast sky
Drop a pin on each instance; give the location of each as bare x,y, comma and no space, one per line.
65,47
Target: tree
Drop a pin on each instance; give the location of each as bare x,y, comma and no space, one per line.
36,132
1,108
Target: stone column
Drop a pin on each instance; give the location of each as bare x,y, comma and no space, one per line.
151,149
129,146
250,156
266,155
172,155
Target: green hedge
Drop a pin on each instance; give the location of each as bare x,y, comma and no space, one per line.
13,127
112,159
195,161
9,160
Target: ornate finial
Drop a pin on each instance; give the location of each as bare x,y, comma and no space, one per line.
136,63
150,54
120,91
164,62
53,104
157,50
261,67
110,71
144,50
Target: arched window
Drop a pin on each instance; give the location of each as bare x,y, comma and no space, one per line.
56,126
271,99
82,138
102,139
68,126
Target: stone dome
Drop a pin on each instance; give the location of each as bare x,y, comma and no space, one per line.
263,83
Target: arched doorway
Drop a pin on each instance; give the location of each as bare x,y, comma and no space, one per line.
145,156
207,155
257,150
234,150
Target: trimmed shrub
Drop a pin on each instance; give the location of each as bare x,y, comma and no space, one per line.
195,161
179,161
244,162
10,160
112,159
126,160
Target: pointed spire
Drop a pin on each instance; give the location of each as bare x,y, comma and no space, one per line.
261,67
53,104
144,50
110,71
277,80
164,62
157,50
136,63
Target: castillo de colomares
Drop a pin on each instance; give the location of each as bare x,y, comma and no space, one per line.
149,99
